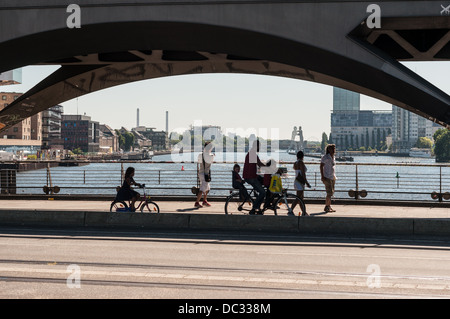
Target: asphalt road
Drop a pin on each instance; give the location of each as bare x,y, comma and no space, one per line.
39,263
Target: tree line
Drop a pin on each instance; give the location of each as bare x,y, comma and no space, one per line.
442,145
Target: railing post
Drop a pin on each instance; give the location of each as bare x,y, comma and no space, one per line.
357,182
197,178
49,178
121,174
12,182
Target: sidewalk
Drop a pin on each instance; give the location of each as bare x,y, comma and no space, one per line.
217,207
348,220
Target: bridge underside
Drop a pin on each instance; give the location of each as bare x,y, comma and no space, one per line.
410,39
164,49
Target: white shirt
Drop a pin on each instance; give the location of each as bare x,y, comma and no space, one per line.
328,168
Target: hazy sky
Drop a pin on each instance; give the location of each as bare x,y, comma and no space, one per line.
234,102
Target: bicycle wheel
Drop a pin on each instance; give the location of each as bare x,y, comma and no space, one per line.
117,206
235,205
284,204
150,207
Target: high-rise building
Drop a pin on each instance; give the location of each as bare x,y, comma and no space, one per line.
51,128
345,101
352,128
407,127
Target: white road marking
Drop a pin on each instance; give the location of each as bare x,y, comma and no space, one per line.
58,271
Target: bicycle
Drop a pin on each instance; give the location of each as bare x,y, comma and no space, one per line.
280,203
146,205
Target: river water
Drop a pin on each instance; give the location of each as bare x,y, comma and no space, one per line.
397,178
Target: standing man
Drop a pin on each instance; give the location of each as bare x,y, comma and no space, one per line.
251,164
328,174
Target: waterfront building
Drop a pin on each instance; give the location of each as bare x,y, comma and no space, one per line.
108,139
140,140
19,131
373,135
159,139
25,135
36,127
79,131
51,128
407,127
7,98
352,128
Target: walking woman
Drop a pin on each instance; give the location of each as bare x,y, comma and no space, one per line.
205,160
300,180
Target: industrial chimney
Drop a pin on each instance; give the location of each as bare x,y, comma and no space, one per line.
167,123
137,118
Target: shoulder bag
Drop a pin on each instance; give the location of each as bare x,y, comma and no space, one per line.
207,175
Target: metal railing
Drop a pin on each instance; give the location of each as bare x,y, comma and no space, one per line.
407,182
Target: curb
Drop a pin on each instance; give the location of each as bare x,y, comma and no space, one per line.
347,226
190,198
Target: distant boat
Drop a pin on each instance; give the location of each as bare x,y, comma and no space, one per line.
420,152
292,152
138,155
344,159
